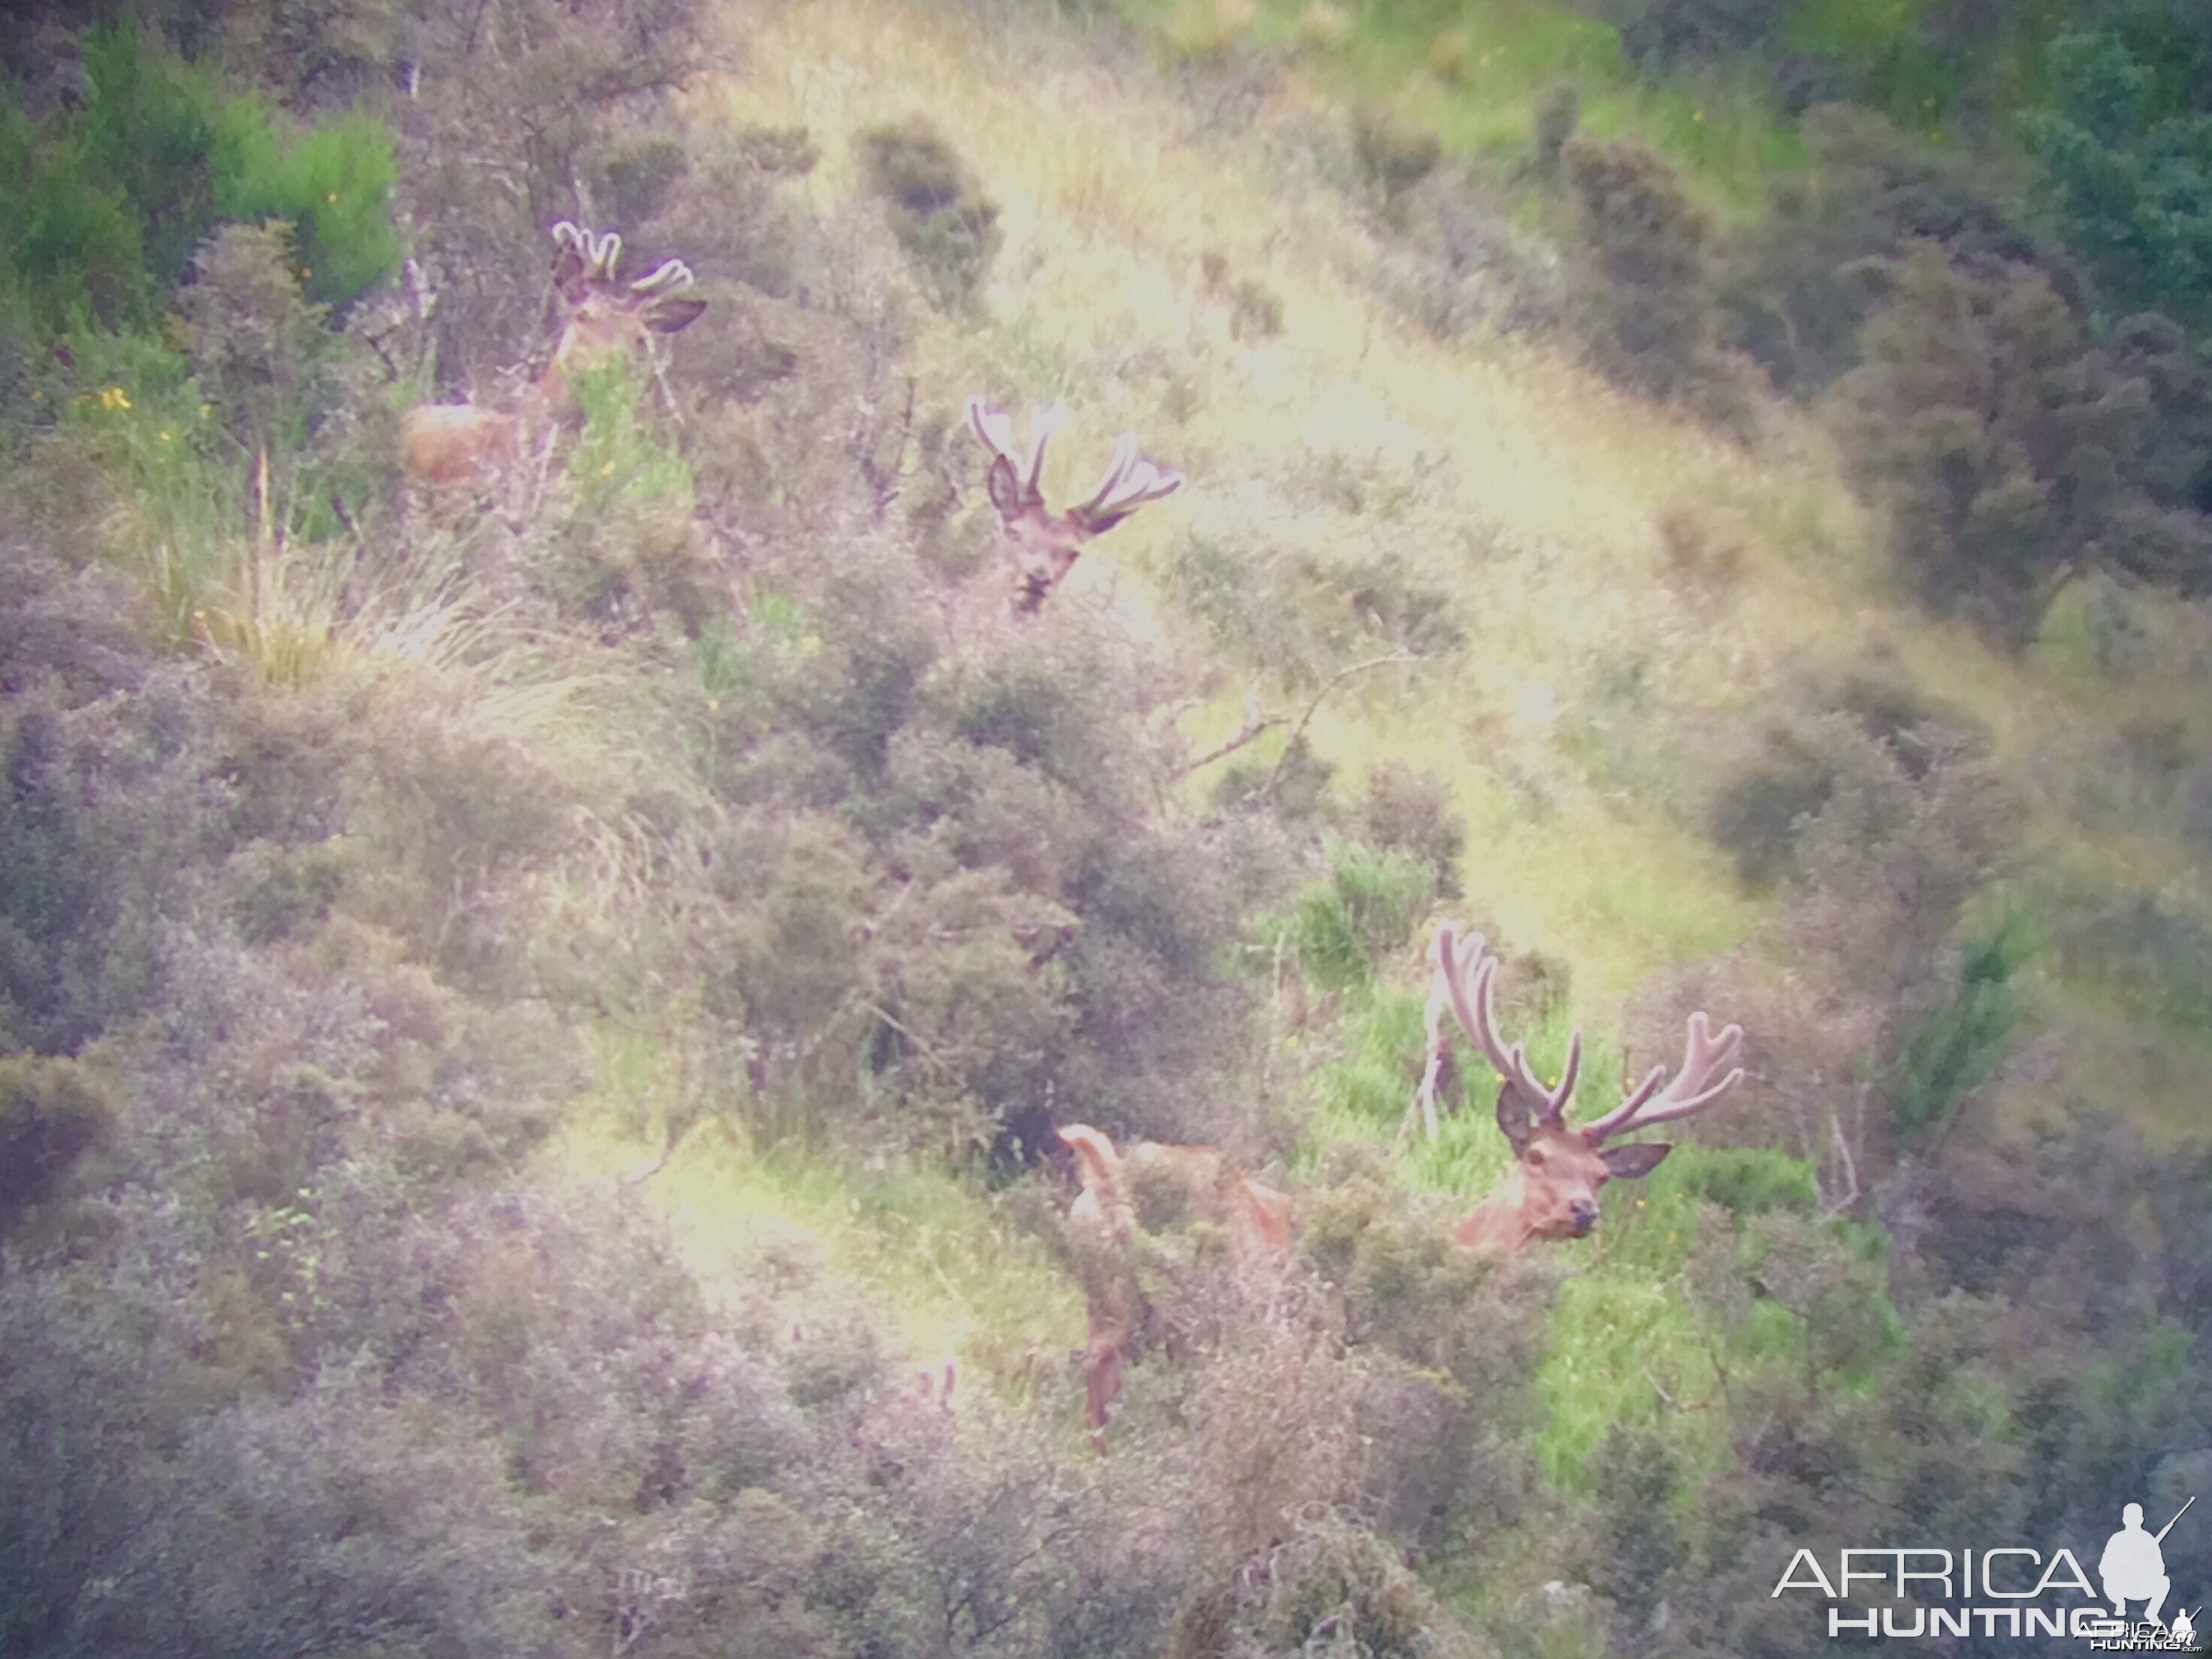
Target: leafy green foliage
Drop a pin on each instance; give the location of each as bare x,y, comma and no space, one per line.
2128,187
1366,905
331,182
1958,1045
119,193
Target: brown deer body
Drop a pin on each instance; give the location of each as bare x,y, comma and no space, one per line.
1255,1215
1559,1168
452,445
1042,546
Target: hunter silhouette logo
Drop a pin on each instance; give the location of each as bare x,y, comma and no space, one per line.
2009,1591
2133,1566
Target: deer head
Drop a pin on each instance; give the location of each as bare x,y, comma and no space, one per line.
600,318
604,318
1041,546
1559,1166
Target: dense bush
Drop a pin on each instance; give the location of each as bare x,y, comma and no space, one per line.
948,227
2004,441
2128,185
123,189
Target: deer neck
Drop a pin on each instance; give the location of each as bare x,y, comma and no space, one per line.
1499,1225
550,397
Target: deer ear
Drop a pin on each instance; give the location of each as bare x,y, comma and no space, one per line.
667,316
1630,1163
568,274
1513,1119
1006,490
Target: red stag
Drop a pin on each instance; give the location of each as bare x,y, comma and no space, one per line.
1559,1168
1257,1216
455,444
1041,546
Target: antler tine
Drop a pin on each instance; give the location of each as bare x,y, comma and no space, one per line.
1477,1008
1515,1066
673,274
1146,483
1693,1089
1047,422
995,428
1125,457
605,254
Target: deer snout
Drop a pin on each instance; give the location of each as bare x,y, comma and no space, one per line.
1583,1214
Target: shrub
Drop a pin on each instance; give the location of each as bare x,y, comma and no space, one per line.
1704,555
1654,317
948,227
1365,907
1559,112
122,191
2130,189
1804,281
1392,155
53,1112
333,182
631,181
1255,313
1758,816
258,347
1405,811
2003,440
1958,1044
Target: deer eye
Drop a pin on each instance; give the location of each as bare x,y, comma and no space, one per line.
1536,1157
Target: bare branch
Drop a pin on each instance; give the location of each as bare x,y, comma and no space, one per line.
1313,707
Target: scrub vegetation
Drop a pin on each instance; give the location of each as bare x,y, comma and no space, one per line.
530,1016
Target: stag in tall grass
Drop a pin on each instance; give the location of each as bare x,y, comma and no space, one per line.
452,446
1559,1168
1104,1216
1042,546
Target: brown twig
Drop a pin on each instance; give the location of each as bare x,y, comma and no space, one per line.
1313,708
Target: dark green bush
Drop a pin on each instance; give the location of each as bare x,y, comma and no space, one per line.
2003,440
1559,112
333,182
948,227
53,1112
631,181
1801,283
121,191
1393,155
1653,308
260,350
1757,815
1958,1045
2129,185
1404,809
